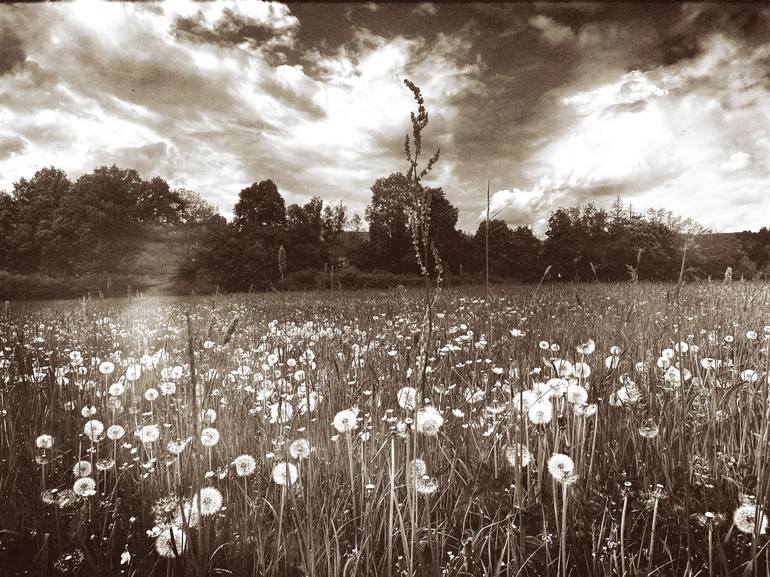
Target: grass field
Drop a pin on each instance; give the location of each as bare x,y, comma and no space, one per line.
585,430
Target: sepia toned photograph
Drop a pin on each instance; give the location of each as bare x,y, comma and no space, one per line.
384,289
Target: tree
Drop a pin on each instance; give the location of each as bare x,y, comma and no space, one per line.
304,244
390,243
513,253
35,206
356,223
260,205
334,221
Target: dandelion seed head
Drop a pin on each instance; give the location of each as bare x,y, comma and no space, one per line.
44,442
345,420
245,465
540,413
210,501
285,473
84,487
299,449
209,437
560,466
429,421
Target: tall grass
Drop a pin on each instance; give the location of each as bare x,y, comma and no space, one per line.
658,453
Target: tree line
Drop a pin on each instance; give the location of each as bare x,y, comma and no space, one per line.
111,230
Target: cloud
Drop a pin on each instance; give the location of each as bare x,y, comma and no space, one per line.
737,161
225,23
664,137
11,145
425,9
600,100
553,32
215,96
11,50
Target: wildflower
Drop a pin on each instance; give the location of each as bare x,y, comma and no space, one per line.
299,449
209,437
115,432
177,447
524,400
417,468
648,431
281,412
84,487
44,442
517,333
285,473
93,429
745,517
563,367
133,372
116,389
587,347
345,421
66,498
167,388
168,540
709,363
628,394
581,370
82,469
308,402
474,395
125,558
148,433
426,485
407,398
612,362
106,368
210,501
540,413
187,515
518,454
749,376
245,465
544,345
558,386
577,395
560,466
105,464
429,421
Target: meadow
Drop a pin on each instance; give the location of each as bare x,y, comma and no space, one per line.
583,430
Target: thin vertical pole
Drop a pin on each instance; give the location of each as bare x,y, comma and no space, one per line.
486,249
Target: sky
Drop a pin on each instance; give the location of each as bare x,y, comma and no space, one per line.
665,105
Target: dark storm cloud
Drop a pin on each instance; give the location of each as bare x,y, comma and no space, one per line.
231,29
11,50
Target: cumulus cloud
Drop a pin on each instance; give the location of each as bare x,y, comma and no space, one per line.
207,96
665,137
737,161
